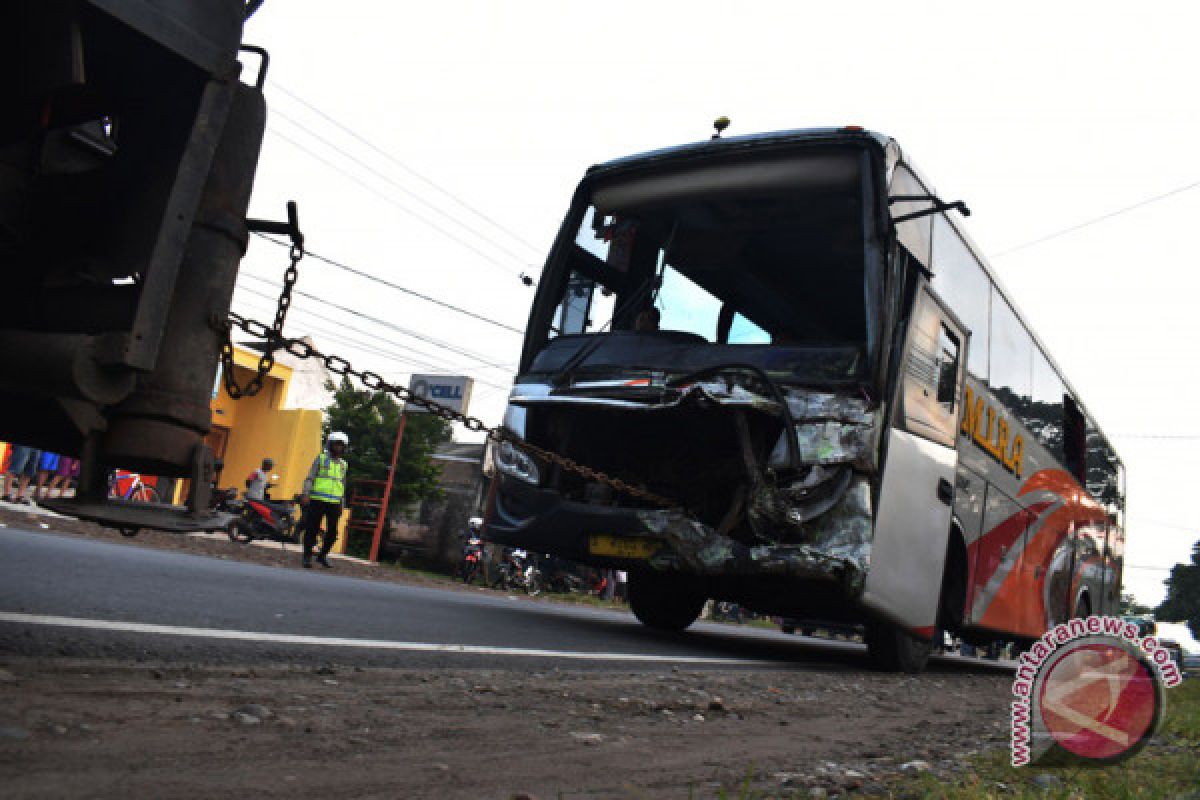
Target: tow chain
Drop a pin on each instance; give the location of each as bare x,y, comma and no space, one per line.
273,336
375,382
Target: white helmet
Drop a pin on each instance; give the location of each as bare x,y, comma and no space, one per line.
338,436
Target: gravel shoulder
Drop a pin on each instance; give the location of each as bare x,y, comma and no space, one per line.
84,726
94,728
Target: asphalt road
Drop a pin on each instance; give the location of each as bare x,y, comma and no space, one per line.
82,598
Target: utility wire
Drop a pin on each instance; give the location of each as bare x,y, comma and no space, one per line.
389,199
427,181
475,362
1100,218
396,355
1187,437
342,266
391,355
401,349
483,360
1188,528
401,187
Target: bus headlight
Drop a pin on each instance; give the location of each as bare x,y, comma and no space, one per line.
515,462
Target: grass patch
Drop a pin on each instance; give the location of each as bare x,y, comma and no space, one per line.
1168,767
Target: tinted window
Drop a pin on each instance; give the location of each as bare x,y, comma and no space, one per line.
1102,477
1044,416
1011,361
966,288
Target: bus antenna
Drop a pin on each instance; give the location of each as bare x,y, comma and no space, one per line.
720,123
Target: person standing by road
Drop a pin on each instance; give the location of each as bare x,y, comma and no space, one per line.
256,484
22,467
323,498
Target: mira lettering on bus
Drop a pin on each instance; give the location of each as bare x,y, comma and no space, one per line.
992,433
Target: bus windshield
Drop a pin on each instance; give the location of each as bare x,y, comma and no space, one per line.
755,260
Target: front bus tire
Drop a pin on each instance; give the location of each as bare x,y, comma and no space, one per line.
893,649
666,601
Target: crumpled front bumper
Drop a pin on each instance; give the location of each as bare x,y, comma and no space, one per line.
836,546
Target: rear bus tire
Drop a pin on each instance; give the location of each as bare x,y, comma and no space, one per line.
665,601
893,649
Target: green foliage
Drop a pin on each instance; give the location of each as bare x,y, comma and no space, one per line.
1130,606
1183,594
370,420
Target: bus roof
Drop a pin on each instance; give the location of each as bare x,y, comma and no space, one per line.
751,141
843,135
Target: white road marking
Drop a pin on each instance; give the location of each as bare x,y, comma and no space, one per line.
374,644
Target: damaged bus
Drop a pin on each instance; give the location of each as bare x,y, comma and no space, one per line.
791,337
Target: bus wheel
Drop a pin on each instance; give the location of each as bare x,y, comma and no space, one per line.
894,649
668,602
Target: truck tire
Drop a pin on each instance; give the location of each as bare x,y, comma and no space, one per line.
893,649
665,601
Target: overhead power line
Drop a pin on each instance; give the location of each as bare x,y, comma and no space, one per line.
401,187
481,359
1184,437
1101,218
389,199
412,292
427,181
391,355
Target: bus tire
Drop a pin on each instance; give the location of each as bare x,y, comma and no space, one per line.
893,649
665,601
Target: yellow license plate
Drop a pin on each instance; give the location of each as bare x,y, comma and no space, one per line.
622,546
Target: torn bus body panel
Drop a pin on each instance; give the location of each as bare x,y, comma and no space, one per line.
812,518
836,546
831,429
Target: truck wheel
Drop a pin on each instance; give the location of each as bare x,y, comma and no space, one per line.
893,649
665,601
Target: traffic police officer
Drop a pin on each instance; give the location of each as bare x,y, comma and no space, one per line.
324,496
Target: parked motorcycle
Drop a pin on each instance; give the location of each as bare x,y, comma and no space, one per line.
471,565
265,519
518,571
225,500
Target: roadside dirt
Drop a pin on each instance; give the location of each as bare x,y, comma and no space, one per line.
72,728
88,729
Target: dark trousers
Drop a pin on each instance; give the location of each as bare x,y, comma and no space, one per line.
314,513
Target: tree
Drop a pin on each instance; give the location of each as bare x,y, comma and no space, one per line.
1183,594
1130,605
370,420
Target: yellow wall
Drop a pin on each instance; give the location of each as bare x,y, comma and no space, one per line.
259,427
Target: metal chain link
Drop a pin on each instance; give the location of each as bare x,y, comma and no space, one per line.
273,335
375,382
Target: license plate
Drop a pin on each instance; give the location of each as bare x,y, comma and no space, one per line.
622,546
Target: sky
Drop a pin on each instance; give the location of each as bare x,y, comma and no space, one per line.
436,146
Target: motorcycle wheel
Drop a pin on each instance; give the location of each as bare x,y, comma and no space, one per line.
238,531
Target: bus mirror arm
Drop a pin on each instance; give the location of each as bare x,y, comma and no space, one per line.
938,205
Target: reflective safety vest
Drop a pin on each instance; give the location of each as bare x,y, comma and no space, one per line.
329,485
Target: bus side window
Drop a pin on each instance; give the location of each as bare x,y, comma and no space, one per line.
947,377
1074,440
932,372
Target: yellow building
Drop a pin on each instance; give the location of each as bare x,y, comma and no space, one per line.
269,424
